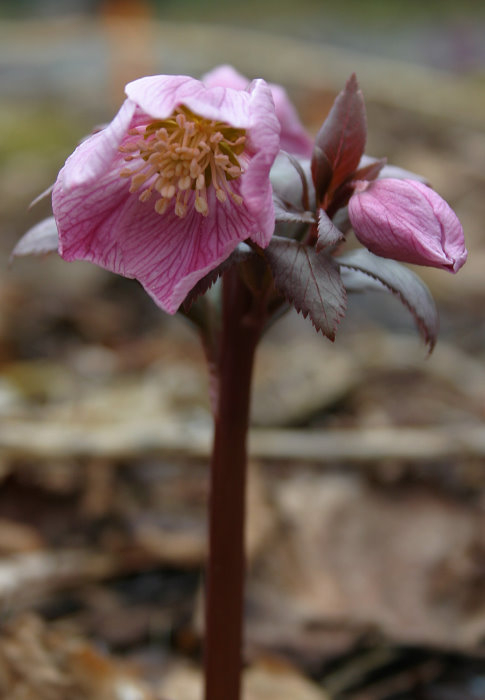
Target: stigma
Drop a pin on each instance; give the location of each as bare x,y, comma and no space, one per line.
180,158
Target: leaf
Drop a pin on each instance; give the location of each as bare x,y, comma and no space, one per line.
322,172
286,213
341,140
39,240
328,234
370,171
387,170
293,196
299,168
362,271
309,281
292,182
343,193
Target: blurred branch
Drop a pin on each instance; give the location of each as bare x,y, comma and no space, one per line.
51,440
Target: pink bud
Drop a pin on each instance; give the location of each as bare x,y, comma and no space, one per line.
407,221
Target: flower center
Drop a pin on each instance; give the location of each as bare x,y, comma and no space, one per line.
181,155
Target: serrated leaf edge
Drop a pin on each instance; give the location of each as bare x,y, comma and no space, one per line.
428,339
340,310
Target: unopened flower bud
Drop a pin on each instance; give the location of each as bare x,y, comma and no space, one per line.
407,221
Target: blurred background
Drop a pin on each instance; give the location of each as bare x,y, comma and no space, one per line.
366,533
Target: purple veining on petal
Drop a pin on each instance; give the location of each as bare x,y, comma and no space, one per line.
95,154
103,218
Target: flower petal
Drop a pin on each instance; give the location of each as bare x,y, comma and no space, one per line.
94,155
263,140
293,137
159,95
100,220
105,224
225,76
407,221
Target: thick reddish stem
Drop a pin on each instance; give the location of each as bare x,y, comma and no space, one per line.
226,565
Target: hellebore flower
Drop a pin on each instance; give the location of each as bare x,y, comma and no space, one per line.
293,137
171,186
407,221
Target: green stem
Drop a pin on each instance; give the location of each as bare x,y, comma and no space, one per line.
241,329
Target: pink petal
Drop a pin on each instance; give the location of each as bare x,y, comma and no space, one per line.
105,224
94,155
293,137
225,76
159,95
407,221
263,139
101,221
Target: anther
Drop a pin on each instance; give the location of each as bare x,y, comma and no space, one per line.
145,195
161,205
201,206
180,157
168,191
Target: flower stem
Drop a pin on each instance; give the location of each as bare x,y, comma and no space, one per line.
240,333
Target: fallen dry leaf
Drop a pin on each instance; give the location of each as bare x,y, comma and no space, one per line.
407,561
38,662
268,680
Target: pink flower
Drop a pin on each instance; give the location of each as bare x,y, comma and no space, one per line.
293,137
407,221
171,186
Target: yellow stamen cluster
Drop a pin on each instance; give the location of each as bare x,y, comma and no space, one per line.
184,155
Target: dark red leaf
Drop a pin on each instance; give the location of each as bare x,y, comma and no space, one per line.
328,234
310,281
362,271
305,196
370,171
286,213
344,192
341,140
321,172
